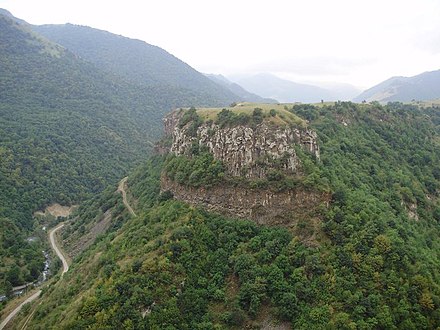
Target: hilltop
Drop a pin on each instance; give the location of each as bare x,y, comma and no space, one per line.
255,151
272,112
367,257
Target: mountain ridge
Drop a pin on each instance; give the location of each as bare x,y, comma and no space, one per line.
134,59
287,91
422,87
268,85
149,253
68,129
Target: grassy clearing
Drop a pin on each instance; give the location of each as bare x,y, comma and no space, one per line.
282,117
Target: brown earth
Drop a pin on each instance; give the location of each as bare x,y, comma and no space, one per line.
57,210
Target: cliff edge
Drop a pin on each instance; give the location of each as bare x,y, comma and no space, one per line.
245,161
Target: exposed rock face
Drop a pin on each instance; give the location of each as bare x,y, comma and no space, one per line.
411,209
170,121
248,151
263,206
245,151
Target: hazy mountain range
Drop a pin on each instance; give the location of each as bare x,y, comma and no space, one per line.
150,65
422,87
238,90
271,86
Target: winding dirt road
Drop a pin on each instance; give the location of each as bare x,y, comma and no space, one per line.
37,294
56,249
121,189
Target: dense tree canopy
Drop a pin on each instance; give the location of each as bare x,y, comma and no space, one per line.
178,267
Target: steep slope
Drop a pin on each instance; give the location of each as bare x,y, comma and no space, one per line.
56,108
243,94
180,267
135,60
67,130
423,87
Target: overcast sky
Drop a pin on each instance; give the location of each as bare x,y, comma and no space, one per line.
348,41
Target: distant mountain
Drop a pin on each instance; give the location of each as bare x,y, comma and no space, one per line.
425,86
341,91
380,91
68,129
135,60
8,14
85,121
268,85
238,90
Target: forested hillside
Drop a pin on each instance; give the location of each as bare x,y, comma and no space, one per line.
376,264
67,130
135,60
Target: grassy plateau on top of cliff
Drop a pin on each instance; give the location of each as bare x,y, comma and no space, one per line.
277,114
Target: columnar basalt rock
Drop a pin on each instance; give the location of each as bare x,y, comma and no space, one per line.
248,151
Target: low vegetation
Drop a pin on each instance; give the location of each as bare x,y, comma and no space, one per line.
251,114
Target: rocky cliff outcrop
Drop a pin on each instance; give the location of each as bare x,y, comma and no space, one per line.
264,206
248,151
